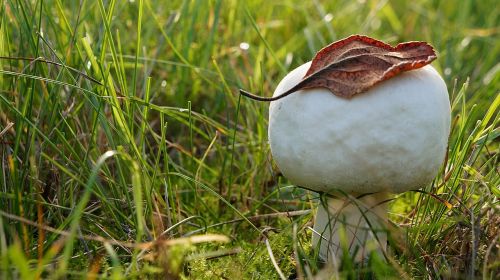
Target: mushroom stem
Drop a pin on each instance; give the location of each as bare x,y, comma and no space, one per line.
357,223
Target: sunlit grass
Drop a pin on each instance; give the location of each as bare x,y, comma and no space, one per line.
116,147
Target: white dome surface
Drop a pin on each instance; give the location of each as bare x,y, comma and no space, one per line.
391,138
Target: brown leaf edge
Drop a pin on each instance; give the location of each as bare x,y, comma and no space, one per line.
315,68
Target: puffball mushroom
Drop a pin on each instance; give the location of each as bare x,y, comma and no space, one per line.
390,139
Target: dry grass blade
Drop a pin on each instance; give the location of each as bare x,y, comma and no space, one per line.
195,239
273,260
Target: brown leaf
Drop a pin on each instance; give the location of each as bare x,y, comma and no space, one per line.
355,64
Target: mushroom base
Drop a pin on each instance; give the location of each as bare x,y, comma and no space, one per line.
357,225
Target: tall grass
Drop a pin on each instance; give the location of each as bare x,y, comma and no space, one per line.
126,151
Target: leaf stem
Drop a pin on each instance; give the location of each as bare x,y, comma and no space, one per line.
266,99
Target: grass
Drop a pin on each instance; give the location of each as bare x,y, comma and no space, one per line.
127,152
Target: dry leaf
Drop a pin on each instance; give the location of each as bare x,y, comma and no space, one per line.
357,63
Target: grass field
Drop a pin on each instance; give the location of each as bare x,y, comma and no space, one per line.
126,151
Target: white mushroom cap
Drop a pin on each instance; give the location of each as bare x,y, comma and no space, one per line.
391,138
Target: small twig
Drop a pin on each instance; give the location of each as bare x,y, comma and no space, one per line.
263,216
41,59
487,254
7,127
143,245
446,203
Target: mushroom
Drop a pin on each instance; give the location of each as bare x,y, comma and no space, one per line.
390,139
